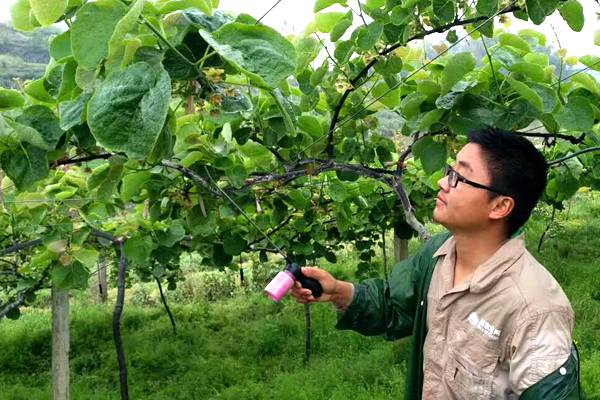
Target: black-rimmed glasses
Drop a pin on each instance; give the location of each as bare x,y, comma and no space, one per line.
454,177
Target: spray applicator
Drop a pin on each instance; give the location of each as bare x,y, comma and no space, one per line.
285,279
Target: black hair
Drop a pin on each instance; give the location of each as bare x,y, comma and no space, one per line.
516,167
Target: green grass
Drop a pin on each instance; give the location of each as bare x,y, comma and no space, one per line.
247,347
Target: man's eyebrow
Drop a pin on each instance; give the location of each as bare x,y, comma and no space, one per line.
465,165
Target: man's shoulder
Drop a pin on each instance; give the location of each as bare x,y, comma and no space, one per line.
536,288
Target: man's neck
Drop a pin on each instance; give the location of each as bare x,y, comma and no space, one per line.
473,249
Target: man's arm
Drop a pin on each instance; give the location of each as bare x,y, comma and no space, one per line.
540,346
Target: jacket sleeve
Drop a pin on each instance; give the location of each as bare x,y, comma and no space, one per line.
562,384
379,309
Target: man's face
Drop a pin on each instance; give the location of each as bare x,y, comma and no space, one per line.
465,208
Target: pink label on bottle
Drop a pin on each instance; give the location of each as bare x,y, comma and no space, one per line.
280,285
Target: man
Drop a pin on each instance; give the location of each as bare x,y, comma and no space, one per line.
487,319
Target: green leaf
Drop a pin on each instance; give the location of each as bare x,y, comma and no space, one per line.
577,115
389,98
311,125
399,15
10,98
530,33
443,10
572,12
117,44
593,62
72,112
25,166
323,4
88,257
299,198
48,12
60,46
452,37
337,191
43,120
257,51
340,28
430,118
547,94
587,82
20,15
487,7
36,90
510,39
368,35
132,183
138,249
326,21
457,67
74,276
173,235
234,244
539,9
219,256
372,4
92,29
25,134
597,37
169,6
128,110
307,49
237,175
530,70
432,154
527,93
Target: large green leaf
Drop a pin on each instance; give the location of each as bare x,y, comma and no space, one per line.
444,10
326,21
258,51
92,29
60,46
572,12
117,44
487,7
368,36
74,276
25,166
138,249
591,61
10,98
457,67
20,15
527,93
128,110
547,94
431,153
539,9
43,120
577,115
323,4
307,49
48,12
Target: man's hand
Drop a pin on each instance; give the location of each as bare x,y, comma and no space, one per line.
335,291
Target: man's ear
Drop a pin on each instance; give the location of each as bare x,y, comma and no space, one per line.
502,206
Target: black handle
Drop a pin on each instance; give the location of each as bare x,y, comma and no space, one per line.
312,284
306,282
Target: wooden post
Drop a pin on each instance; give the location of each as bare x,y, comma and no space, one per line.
60,344
400,249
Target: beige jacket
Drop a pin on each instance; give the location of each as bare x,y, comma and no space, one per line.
493,336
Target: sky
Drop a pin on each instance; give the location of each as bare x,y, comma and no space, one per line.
292,16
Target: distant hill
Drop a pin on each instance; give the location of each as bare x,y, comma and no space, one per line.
23,55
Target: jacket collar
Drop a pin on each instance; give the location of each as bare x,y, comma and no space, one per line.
488,273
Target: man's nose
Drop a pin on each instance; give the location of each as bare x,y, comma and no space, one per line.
443,183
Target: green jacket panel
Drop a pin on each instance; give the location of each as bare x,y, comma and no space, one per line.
562,384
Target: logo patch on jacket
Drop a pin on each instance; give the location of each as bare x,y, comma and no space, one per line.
484,326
